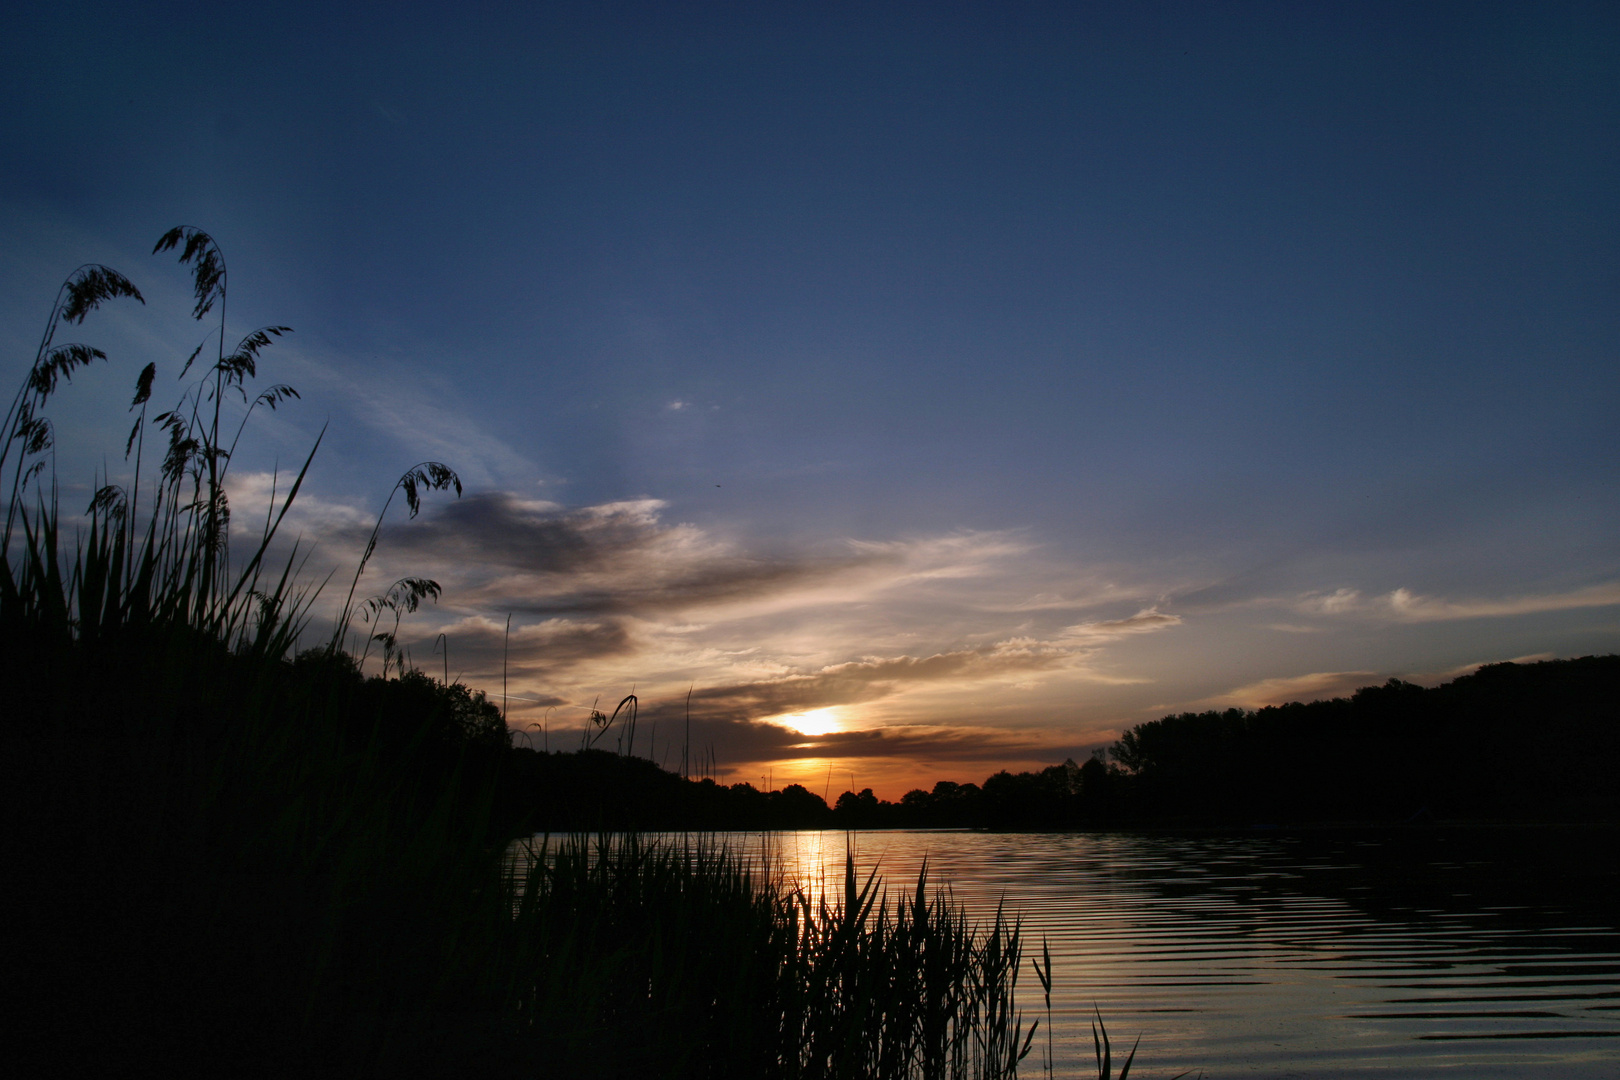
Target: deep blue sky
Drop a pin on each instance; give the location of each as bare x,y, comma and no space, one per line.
996,329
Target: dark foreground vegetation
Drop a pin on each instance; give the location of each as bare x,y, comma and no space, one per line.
224,859
1511,743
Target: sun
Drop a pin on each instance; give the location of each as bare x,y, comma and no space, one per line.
812,721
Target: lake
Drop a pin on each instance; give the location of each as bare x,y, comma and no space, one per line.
1418,953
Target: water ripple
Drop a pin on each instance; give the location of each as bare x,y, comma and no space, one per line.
1283,956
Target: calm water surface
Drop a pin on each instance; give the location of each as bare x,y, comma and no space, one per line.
1427,954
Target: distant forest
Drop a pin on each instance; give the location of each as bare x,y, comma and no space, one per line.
1509,743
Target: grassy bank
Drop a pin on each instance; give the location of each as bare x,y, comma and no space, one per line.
224,857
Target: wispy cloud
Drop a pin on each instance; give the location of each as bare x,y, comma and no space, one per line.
255,495
1338,602
1319,685
1409,607
1403,605
1147,621
1434,678
417,409
1283,689
750,704
866,680
538,559
614,597
743,741
535,651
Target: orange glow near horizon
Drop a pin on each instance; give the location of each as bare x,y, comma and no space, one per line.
819,775
889,778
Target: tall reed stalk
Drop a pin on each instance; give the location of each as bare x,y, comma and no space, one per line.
192,820
225,859
637,956
176,571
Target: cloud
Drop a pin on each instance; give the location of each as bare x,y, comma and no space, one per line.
498,530
622,559
1147,621
955,555
536,558
1279,691
1403,605
252,494
871,678
423,410
740,741
537,650
1435,678
1409,607
1340,602
911,741
1089,595
616,598
859,681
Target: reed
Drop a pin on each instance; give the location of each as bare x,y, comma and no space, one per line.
1104,1050
686,961
202,829
248,862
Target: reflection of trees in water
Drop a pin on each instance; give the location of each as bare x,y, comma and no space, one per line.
1514,876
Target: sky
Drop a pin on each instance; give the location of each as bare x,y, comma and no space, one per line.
917,390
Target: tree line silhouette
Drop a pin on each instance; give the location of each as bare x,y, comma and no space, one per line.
1510,742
